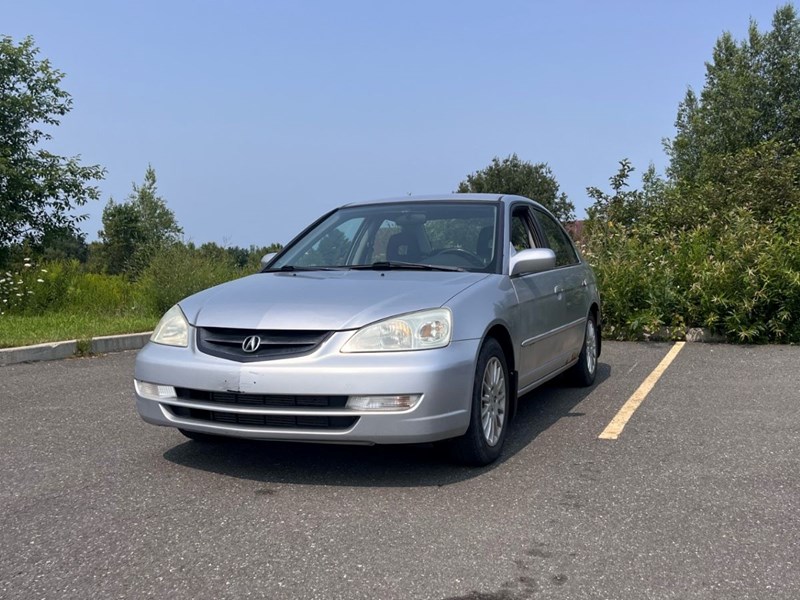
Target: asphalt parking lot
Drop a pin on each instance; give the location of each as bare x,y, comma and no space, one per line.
698,497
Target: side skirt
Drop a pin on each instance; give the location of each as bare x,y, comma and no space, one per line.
544,379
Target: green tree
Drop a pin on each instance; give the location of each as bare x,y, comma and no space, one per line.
737,144
121,236
62,244
751,96
521,178
38,189
56,244
134,231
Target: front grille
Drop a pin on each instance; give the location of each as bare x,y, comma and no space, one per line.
227,343
271,421
271,400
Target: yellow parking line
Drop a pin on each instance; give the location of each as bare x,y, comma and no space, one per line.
612,431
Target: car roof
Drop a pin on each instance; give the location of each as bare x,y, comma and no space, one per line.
446,198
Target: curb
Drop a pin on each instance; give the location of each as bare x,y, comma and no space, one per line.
703,335
693,334
57,350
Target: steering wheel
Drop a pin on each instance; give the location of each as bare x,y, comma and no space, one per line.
473,259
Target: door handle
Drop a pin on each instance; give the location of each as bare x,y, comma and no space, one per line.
558,290
583,283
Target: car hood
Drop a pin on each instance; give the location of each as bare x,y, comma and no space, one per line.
322,300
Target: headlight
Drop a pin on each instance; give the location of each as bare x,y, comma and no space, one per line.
415,331
172,329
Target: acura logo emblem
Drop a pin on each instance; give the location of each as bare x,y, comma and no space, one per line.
251,343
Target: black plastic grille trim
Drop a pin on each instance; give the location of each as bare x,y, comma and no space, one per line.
227,343
271,421
270,400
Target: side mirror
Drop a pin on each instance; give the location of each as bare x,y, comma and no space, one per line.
532,260
265,260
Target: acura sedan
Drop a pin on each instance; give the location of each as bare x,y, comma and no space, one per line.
419,319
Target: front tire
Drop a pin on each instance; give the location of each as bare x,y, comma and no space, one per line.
483,442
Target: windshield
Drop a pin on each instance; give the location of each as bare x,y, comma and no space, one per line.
425,235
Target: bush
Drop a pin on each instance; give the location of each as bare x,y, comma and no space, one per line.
639,286
54,293
94,293
31,288
62,286
181,271
736,276
748,283
65,286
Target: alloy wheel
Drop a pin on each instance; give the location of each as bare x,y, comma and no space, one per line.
493,401
591,346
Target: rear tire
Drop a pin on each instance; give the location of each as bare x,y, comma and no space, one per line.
483,442
198,436
583,373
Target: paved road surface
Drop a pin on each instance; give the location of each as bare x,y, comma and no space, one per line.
698,498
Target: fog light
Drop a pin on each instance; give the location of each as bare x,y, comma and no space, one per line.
153,391
400,402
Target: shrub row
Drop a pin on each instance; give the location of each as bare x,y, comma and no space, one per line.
739,277
67,287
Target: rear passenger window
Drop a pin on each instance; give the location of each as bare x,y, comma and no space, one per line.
557,239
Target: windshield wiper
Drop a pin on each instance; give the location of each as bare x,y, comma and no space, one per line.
385,265
292,268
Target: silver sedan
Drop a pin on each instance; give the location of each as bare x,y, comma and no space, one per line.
409,320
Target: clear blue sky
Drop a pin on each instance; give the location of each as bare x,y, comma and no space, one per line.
260,116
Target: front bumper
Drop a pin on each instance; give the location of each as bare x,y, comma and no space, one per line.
443,377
